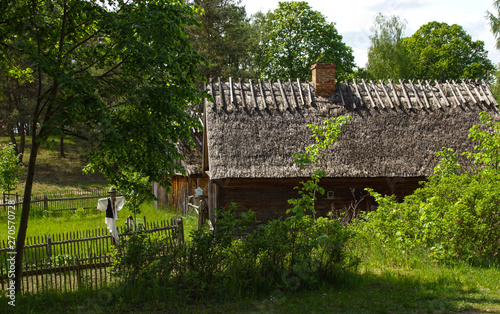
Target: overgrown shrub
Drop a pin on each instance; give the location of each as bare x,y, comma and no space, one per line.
452,217
286,255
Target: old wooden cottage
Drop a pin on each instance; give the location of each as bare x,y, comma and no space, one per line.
184,184
252,129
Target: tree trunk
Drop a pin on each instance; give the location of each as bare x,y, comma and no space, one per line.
23,225
61,147
10,130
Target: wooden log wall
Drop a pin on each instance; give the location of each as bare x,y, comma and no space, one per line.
269,197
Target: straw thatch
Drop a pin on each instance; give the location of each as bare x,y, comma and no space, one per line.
192,154
253,129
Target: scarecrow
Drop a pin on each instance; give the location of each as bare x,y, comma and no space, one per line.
111,205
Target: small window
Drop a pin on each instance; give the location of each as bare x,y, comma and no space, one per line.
330,195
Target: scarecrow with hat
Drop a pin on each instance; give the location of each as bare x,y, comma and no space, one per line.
111,206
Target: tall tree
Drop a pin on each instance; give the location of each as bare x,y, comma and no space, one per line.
494,21
225,38
294,37
441,51
122,71
387,57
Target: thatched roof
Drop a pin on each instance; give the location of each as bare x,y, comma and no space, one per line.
192,155
253,129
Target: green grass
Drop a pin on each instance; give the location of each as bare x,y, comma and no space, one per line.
54,174
430,289
54,222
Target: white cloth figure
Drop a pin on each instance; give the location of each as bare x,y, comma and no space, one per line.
106,204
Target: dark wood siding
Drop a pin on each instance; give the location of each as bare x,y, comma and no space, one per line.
269,197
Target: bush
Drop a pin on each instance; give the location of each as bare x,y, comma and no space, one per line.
286,255
453,217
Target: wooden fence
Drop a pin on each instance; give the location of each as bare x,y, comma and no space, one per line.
65,262
56,202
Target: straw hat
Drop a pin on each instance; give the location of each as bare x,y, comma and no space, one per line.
112,190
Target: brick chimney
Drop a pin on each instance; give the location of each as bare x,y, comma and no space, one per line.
323,78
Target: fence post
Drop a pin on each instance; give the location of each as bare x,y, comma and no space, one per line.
17,197
45,203
49,248
78,274
180,229
3,194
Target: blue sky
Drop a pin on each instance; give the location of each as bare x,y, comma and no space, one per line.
353,19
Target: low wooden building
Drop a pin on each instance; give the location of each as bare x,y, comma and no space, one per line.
184,184
253,129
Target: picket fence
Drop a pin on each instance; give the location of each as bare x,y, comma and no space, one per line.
66,262
56,202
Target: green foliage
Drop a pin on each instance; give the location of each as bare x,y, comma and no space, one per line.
324,136
10,168
453,217
488,149
225,38
387,57
283,255
294,37
442,52
494,21
448,164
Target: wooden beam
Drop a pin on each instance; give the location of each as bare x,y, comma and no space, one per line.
377,93
425,94
273,95
488,90
242,93
285,100
309,93
455,85
416,94
453,92
403,87
438,104
486,98
262,95
396,96
358,94
386,94
477,92
254,98
442,93
470,93
301,94
353,102
369,94
293,94
231,93
339,87
221,93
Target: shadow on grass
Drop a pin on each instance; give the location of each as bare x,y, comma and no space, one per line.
390,291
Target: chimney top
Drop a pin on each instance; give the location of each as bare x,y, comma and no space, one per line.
323,78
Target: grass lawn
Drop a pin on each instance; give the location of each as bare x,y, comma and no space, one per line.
89,219
429,289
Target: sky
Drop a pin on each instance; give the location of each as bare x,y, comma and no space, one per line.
354,18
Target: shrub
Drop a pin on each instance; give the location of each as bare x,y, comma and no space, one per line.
220,263
452,217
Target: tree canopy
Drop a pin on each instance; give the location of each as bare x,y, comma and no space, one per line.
439,51
294,37
387,57
225,38
117,73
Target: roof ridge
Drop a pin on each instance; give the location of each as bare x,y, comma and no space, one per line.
290,95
